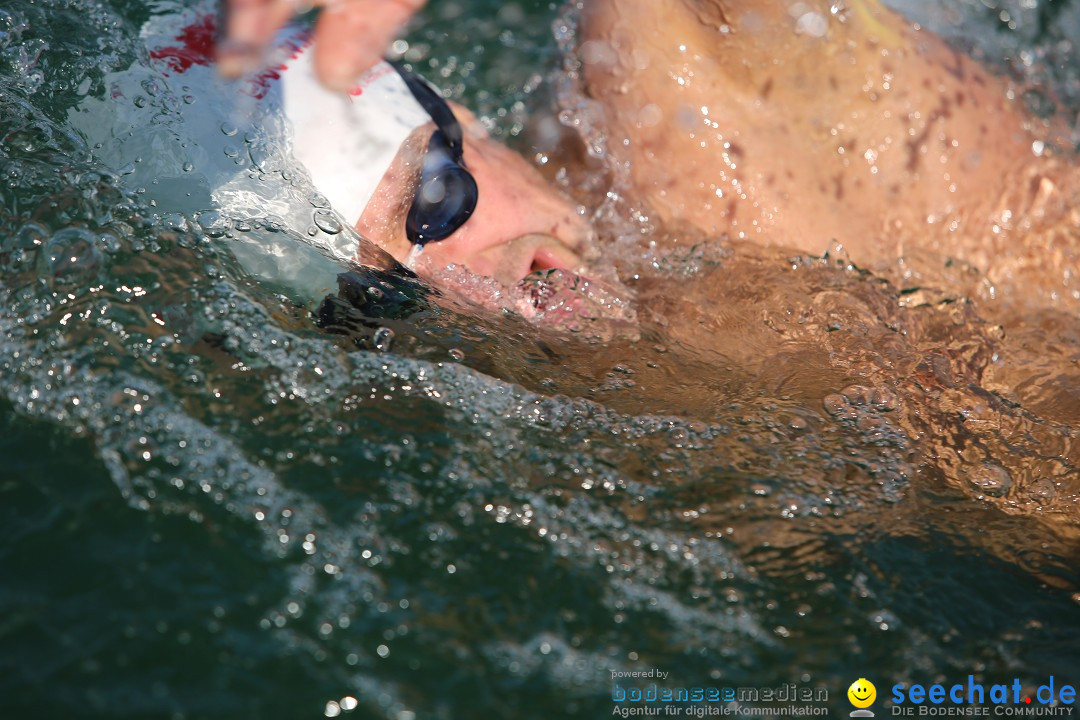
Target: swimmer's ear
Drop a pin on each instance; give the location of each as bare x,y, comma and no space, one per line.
468,121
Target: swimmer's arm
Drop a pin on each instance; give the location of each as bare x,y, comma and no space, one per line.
350,35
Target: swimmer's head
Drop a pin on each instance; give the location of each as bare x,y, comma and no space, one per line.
520,224
394,158
347,142
406,169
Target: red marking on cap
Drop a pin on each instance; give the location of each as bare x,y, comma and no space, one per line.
197,45
370,77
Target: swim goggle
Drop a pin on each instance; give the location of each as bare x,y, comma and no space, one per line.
447,194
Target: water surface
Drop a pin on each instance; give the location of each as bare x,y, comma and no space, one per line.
792,471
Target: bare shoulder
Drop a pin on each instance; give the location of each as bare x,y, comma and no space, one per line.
628,23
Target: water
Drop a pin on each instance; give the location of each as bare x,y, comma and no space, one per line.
790,471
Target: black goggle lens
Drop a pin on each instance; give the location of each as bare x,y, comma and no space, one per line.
446,196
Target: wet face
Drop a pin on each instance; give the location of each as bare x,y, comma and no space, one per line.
520,224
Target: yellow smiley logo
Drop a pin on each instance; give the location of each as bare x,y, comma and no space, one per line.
862,693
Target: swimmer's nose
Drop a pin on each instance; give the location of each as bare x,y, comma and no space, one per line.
510,262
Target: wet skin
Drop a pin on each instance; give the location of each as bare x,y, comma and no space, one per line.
872,133
788,124
778,121
520,224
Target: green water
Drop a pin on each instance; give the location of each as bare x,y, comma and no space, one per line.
209,507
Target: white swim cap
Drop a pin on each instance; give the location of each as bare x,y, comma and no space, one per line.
347,141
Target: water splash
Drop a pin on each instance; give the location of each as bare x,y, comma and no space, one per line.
798,469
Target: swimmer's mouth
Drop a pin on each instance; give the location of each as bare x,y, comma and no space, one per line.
561,292
543,280
555,272
540,272
559,297
541,288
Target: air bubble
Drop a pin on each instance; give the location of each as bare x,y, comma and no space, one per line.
1042,490
265,158
71,253
175,222
109,242
990,479
857,395
327,222
812,24
383,338
214,224
836,405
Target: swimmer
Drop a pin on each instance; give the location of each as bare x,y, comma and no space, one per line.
789,123
414,173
